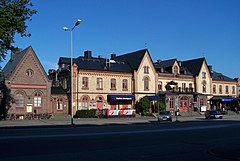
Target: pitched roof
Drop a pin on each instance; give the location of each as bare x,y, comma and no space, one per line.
220,76
57,90
194,65
13,62
165,63
123,63
133,59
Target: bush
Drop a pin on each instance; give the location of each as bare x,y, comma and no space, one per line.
85,113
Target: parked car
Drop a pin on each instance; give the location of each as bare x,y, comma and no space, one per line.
213,114
165,116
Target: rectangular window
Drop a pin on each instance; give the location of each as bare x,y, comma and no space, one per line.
214,89
184,87
204,75
146,69
113,84
85,83
227,91
233,90
220,89
190,87
99,83
159,85
124,85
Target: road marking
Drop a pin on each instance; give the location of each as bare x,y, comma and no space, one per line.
114,133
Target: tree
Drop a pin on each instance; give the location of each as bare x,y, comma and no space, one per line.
13,17
143,105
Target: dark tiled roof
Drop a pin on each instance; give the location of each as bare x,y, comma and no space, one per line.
133,59
165,63
124,63
12,64
220,76
57,90
194,65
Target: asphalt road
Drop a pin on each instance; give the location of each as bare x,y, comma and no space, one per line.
209,140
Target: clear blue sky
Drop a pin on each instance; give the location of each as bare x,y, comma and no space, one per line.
182,29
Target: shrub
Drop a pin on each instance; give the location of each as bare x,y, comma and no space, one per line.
85,113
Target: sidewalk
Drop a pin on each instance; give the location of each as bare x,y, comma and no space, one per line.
101,121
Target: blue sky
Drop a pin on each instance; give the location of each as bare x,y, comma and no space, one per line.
182,29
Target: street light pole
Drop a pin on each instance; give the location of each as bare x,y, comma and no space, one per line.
71,64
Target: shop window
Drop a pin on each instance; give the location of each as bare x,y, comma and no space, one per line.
59,104
85,103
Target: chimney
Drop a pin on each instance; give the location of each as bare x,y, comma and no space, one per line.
113,56
210,69
88,54
15,52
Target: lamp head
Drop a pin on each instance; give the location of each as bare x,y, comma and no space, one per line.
65,28
78,22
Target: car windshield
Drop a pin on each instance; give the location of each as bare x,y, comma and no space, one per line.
215,112
164,113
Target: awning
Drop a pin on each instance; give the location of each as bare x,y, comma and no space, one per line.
112,97
223,99
153,98
227,100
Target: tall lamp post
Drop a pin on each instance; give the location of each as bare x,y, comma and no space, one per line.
71,64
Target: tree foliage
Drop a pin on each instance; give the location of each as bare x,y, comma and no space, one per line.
143,105
13,17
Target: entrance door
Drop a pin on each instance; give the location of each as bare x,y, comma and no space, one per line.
184,104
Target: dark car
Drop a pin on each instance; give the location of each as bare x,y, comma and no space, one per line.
165,116
213,114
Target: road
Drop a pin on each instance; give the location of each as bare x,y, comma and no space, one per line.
208,140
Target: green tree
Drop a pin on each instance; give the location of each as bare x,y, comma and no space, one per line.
143,105
13,17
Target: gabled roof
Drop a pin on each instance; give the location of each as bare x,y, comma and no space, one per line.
123,63
165,63
57,90
134,59
13,62
194,65
221,77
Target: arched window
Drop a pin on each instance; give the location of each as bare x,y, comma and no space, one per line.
19,99
146,84
214,88
125,85
37,99
204,84
59,104
160,85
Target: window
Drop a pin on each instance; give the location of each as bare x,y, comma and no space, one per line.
171,103
146,69
85,102
19,100
99,83
175,71
233,90
202,102
113,84
204,83
85,82
184,87
203,75
220,89
159,85
59,104
190,87
125,84
214,88
226,90
146,84
37,99
29,73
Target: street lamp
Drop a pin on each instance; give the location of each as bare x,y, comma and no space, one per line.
71,64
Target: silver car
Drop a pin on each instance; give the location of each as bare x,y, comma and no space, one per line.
165,116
